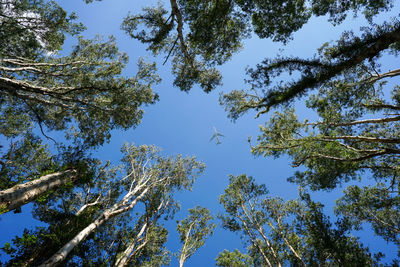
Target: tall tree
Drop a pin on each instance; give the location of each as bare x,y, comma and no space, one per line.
145,169
84,88
29,171
102,227
280,233
193,232
145,245
67,212
18,195
83,94
377,205
201,34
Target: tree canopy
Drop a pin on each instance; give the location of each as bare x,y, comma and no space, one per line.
82,94
58,105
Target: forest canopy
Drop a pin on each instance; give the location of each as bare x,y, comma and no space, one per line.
59,107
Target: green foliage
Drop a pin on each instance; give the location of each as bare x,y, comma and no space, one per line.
233,259
201,34
83,94
377,205
154,253
354,137
84,89
342,145
28,28
34,247
69,211
193,231
25,159
279,232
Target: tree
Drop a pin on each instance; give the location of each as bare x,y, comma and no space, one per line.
280,233
345,143
29,172
340,72
29,151
30,28
356,133
99,214
193,232
377,205
15,197
67,212
144,247
355,137
82,94
201,34
145,169
85,88
233,259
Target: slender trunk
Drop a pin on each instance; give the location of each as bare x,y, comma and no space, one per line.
255,243
181,261
182,258
115,210
123,260
261,232
60,255
129,252
288,244
21,194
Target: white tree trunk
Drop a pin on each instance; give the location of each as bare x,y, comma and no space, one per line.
123,260
60,255
129,252
184,255
21,194
115,210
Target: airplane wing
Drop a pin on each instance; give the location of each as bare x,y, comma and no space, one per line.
212,137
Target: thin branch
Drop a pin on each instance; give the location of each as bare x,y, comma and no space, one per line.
372,155
388,106
364,138
39,121
380,120
170,51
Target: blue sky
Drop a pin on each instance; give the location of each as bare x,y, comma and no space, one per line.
182,123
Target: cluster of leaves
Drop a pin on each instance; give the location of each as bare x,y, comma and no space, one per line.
118,215
356,135
280,233
85,95
87,206
215,30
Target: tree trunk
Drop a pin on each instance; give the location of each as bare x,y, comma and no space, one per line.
123,260
183,256
128,253
181,261
115,210
21,194
66,249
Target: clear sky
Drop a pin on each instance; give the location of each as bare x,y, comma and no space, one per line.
182,123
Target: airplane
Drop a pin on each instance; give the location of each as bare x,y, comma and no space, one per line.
216,136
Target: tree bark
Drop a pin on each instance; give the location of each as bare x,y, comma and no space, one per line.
21,194
183,256
115,210
261,232
129,252
124,259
